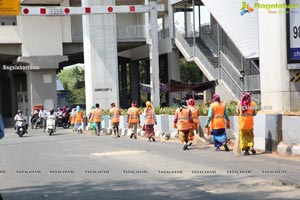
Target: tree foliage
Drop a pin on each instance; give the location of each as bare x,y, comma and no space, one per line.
189,71
72,79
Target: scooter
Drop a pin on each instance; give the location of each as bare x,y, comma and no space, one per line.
50,126
36,123
21,127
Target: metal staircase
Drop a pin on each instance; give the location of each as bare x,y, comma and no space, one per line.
220,67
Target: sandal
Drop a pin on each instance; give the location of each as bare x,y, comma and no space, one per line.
253,151
226,147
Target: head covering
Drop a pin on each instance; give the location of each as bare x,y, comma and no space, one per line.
133,104
216,97
191,102
113,104
245,101
78,108
97,105
148,104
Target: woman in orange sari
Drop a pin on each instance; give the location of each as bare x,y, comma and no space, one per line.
150,120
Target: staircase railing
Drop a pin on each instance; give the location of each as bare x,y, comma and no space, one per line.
194,51
227,72
229,67
209,43
206,63
186,46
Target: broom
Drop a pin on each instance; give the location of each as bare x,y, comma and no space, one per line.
237,148
200,139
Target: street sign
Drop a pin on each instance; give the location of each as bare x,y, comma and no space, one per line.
9,7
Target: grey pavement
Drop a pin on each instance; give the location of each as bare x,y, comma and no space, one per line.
83,166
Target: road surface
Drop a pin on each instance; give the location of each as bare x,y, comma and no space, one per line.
83,166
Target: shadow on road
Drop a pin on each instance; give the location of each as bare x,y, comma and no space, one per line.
146,189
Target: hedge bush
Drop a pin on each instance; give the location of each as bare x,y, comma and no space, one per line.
203,109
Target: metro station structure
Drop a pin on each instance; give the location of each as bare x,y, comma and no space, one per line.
243,52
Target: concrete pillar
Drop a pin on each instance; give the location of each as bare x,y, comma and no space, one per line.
5,96
148,76
146,22
276,93
207,94
13,93
167,24
100,56
169,20
41,86
188,24
163,64
135,81
199,18
154,55
41,80
124,84
173,72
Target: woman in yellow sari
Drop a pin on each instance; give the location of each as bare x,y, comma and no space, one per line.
246,113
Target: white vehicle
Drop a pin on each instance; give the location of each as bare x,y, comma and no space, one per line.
21,127
50,125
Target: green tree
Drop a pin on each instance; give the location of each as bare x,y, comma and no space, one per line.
189,71
72,79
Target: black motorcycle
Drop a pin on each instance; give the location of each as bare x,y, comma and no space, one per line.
63,121
21,127
36,123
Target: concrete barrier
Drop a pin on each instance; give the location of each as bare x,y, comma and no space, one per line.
269,130
291,129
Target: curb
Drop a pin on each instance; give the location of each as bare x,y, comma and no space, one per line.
288,149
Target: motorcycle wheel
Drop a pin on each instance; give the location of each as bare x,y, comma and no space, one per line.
66,125
20,134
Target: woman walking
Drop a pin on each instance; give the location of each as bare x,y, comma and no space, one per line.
150,120
246,113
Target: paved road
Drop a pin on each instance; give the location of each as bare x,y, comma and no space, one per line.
84,166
